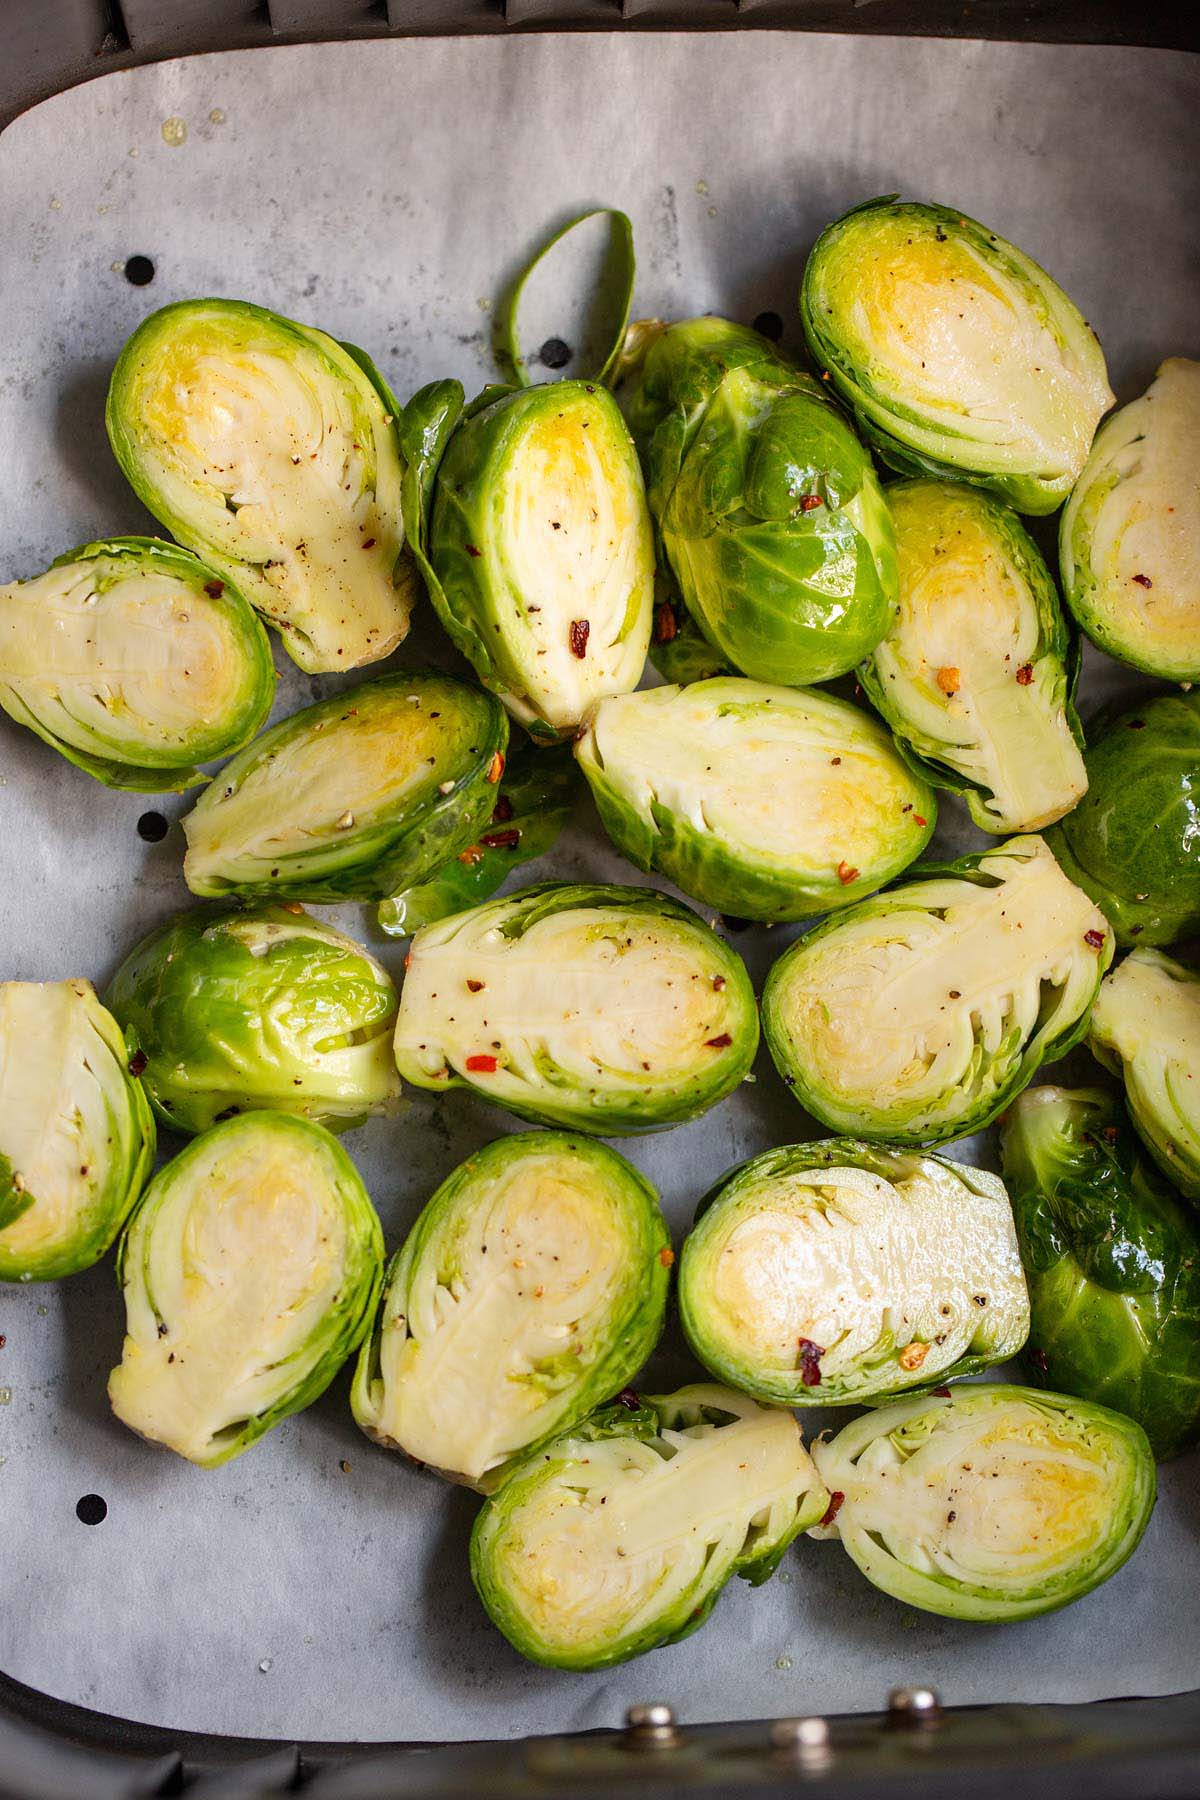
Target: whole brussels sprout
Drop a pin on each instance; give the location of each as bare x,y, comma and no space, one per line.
973,677
958,354
837,1273
1133,842
135,661
765,802
237,1011
1145,1027
272,451
250,1271
1112,1261
917,1016
76,1132
531,1287
1129,537
988,1503
534,799
604,1009
351,799
540,546
771,520
619,1535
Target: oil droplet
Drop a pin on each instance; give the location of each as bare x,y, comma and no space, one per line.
102,209
55,205
702,187
783,1662
712,212
43,1312
264,1665
216,116
485,306
785,1575
5,1396
117,268
174,131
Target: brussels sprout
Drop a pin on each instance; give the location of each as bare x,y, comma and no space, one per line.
958,354
1145,1027
541,547
604,1009
988,1503
250,1270
619,1536
919,1015
973,676
76,1132
135,661
828,1274
772,522
1133,842
764,802
237,1011
272,451
1129,538
1112,1260
533,802
351,799
531,1287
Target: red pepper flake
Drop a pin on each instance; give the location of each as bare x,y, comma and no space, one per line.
941,1393
810,1362
1094,938
1143,581
368,543
666,1257
471,550
628,1398
580,629
292,906
214,589
718,1043
1038,1359
139,1062
949,680
496,767
502,812
1025,675
3,1340
834,1507
482,1065
666,625
502,840
846,873
918,820
810,502
470,856
474,987
407,958
718,982
1110,1134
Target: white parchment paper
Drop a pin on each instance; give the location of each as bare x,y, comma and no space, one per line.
382,190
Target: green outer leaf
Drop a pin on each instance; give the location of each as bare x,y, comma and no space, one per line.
620,277
1112,1261
380,853
1159,1079
619,1344
427,424
540,786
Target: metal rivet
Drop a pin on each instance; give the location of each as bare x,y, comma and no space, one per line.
650,1727
913,1706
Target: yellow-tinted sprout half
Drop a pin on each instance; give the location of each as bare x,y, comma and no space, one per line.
1129,539
1145,1026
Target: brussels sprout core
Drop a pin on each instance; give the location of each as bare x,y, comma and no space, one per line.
532,1286
1145,1026
990,1503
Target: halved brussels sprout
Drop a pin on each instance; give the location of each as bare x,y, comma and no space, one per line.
919,1015
135,661
237,1011
958,354
1145,1027
76,1132
250,1271
1129,538
1133,842
771,519
989,1503
973,675
836,1273
272,451
605,1009
1112,1260
351,799
765,802
619,1536
531,1287
541,546
534,798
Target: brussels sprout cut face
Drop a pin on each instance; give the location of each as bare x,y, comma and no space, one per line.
834,1273
607,1009
246,1010
1145,1026
135,661
1113,1263
353,798
992,1503
765,802
1130,533
250,1272
268,448
920,1014
531,1287
76,1133
770,515
540,540
972,675
958,354
619,1536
